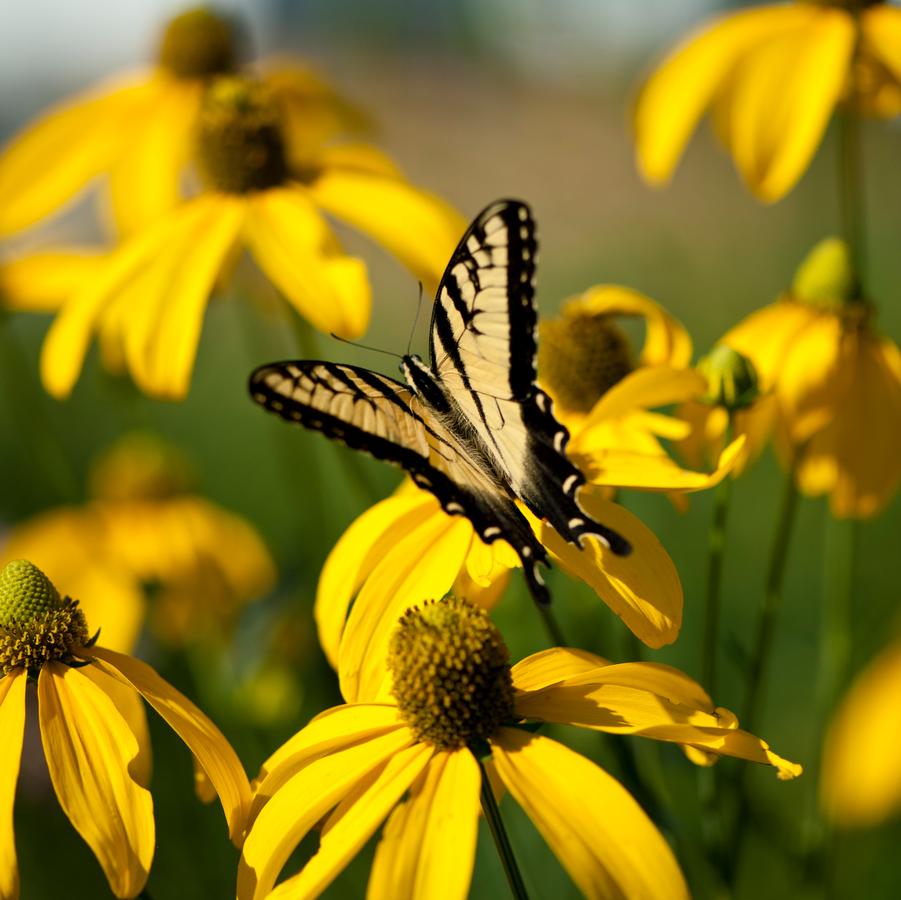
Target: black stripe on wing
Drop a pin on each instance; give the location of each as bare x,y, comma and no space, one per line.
283,388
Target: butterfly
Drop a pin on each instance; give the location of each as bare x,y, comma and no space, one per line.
472,428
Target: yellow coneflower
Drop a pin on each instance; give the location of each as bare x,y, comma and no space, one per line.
150,296
94,732
861,779
414,749
836,381
407,547
137,129
144,526
772,76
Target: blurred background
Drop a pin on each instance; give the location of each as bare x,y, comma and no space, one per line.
476,101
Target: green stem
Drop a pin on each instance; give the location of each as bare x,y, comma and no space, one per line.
501,841
716,544
772,600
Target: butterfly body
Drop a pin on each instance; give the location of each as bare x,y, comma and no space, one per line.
472,428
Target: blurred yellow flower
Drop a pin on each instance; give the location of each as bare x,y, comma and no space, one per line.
414,750
861,778
94,732
40,282
149,298
137,128
837,385
143,528
772,76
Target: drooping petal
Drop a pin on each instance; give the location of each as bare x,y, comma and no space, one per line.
145,180
654,472
676,95
643,588
89,749
552,666
302,801
861,783
781,99
41,282
651,700
417,227
357,553
608,845
162,334
355,820
327,733
45,165
881,35
422,565
204,739
428,845
486,572
666,342
12,727
294,247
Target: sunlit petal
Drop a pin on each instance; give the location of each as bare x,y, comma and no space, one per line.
12,727
41,282
428,845
552,666
89,749
609,846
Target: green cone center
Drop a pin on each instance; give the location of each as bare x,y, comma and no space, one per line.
198,44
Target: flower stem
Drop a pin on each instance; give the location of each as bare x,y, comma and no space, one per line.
501,841
716,544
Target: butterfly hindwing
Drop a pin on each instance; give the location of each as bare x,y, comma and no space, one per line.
370,412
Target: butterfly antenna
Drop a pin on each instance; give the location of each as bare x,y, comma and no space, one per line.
365,346
415,320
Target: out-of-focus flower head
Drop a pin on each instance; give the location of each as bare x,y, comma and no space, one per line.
836,382
771,77
137,129
94,732
416,750
861,779
145,529
262,195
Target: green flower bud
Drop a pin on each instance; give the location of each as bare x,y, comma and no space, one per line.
731,378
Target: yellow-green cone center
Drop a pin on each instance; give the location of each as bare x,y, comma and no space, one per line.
451,673
240,147
580,357
140,466
825,279
731,378
36,624
198,44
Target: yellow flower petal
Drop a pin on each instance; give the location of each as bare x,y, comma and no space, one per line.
12,727
861,783
359,158
52,159
357,553
162,333
666,342
881,35
355,821
421,565
204,739
651,700
782,97
146,178
429,843
417,227
301,802
486,572
676,95
646,472
643,588
609,846
552,666
40,282
293,246
89,748
330,731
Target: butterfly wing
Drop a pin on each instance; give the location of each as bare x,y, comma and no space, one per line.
483,348
376,414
